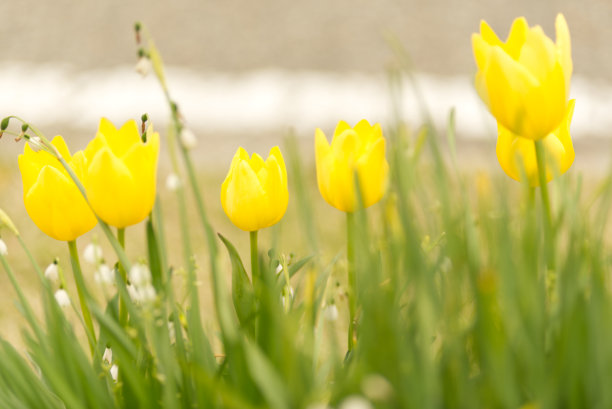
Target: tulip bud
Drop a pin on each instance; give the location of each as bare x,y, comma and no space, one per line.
254,194
354,151
51,197
525,81
62,298
121,173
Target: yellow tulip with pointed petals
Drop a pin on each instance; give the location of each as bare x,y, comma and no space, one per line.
255,193
517,154
51,197
121,173
360,149
524,81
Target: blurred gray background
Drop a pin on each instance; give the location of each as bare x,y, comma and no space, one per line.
246,72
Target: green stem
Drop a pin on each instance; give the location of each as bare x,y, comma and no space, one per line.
548,233
83,294
352,282
254,260
123,314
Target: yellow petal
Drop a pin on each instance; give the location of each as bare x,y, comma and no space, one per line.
373,169
109,185
538,53
244,198
341,127
564,48
122,140
488,34
57,207
516,37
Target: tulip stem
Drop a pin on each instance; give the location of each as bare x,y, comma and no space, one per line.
122,307
254,260
83,294
548,235
352,283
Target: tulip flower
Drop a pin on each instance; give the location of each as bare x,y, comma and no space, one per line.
121,173
51,197
524,81
517,155
254,194
359,150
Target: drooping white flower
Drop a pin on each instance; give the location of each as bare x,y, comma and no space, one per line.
355,402
114,372
3,249
62,298
52,272
376,387
173,182
140,275
188,138
104,275
92,253
331,312
35,143
108,356
143,66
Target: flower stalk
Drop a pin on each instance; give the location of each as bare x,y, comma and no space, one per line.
83,294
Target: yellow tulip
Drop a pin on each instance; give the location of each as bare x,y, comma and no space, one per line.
51,197
359,150
525,81
254,194
121,173
517,154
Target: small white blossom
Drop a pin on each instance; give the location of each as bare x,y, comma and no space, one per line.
140,275
173,182
104,275
35,143
92,253
62,298
142,294
355,402
3,249
52,272
331,312
188,138
143,66
133,293
376,387
108,356
171,332
287,296
114,372
279,268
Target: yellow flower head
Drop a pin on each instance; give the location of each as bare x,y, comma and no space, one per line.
358,150
525,81
51,197
254,194
121,173
517,155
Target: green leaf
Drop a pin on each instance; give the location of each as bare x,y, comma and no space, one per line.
242,289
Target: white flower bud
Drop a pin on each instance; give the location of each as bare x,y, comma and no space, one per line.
330,313
188,138
279,268
173,182
52,272
3,249
108,356
147,293
143,66
114,372
104,275
92,253
355,402
62,298
140,275
133,293
171,332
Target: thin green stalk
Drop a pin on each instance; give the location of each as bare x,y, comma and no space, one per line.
352,282
83,294
123,314
254,259
548,233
